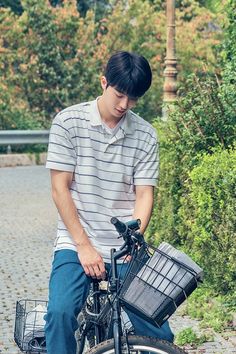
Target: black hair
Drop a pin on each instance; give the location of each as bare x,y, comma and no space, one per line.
129,73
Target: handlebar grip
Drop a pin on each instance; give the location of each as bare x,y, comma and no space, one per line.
120,226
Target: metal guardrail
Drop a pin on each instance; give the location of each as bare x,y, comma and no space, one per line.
14,137
20,137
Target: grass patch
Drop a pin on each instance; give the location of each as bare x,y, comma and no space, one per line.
189,336
215,312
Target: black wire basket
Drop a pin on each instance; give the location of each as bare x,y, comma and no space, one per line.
156,284
29,325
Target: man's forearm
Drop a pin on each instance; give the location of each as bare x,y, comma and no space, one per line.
143,206
69,215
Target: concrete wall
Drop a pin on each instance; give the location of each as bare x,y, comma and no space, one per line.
13,160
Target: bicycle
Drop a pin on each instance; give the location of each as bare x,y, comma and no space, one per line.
151,272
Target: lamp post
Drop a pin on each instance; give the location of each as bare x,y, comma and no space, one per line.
170,72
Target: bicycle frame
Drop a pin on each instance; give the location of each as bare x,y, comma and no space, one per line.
115,305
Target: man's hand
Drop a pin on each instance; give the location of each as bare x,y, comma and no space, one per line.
91,261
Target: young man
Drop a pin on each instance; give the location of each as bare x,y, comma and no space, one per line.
103,161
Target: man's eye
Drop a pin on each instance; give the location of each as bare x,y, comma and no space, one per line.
119,96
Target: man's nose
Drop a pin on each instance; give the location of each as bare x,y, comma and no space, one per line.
124,103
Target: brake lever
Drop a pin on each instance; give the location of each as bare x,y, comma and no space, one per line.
137,236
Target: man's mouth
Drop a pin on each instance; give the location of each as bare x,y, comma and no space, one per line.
120,111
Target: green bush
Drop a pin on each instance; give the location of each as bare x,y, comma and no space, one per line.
189,336
196,194
208,219
202,119
17,116
211,310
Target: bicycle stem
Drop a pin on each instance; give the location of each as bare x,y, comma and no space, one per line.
114,256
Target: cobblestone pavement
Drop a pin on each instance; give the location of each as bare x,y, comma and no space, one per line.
27,230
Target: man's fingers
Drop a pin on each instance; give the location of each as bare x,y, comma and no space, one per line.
97,272
102,270
93,266
103,275
92,272
86,270
127,258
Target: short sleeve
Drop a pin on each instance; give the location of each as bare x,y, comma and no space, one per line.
61,152
147,168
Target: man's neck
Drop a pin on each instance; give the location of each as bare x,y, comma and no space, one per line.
108,119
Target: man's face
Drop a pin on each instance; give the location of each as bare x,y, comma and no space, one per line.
116,102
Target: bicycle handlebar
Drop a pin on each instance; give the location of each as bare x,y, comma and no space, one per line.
121,227
128,230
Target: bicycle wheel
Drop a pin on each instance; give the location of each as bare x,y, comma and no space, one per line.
138,344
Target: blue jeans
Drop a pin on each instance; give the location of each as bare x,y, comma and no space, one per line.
68,290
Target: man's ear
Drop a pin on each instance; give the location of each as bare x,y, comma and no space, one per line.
103,82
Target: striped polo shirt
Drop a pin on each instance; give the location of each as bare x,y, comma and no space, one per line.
106,167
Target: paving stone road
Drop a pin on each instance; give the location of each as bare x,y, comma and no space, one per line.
27,230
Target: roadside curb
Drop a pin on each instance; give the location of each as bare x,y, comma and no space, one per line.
13,160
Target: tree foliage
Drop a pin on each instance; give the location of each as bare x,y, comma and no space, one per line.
52,57
14,5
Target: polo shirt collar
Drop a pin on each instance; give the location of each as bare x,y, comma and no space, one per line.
128,124
95,119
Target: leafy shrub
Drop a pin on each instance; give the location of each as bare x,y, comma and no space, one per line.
211,310
202,119
208,217
189,336
12,117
